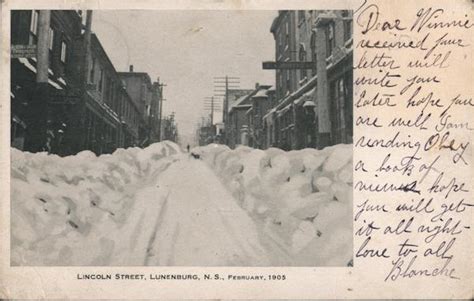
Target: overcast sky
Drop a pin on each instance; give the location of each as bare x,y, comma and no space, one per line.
186,49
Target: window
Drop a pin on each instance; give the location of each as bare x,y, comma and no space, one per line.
314,56
302,58
301,16
342,120
113,97
288,83
105,97
92,71
101,79
33,39
330,41
287,34
347,20
63,52
111,92
51,39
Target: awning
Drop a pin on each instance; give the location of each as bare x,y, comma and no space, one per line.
284,110
270,113
262,93
62,81
308,96
54,84
27,64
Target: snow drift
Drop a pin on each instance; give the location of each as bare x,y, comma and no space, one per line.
83,209
159,206
300,200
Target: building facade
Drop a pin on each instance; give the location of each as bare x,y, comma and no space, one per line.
260,103
107,117
169,128
40,116
147,97
66,95
244,125
237,121
156,107
314,104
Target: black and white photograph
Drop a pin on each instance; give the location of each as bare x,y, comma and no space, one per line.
181,138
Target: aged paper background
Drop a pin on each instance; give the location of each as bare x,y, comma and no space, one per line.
367,279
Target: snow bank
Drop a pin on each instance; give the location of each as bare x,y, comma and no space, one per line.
153,206
84,209
301,200
159,206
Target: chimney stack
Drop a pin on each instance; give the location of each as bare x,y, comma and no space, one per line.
131,68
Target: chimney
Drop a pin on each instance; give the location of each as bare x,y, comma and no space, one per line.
257,85
131,68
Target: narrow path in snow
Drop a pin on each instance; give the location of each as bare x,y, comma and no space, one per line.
200,223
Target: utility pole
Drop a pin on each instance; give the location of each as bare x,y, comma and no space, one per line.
211,105
36,137
160,86
79,128
221,88
222,85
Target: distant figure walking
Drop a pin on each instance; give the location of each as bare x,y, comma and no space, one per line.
187,148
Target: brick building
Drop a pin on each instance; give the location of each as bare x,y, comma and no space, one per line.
314,105
237,122
66,95
244,123
147,97
107,117
40,116
260,103
169,128
232,95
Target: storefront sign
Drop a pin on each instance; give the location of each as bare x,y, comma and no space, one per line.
288,65
23,51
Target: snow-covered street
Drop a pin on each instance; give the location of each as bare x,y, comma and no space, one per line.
162,206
